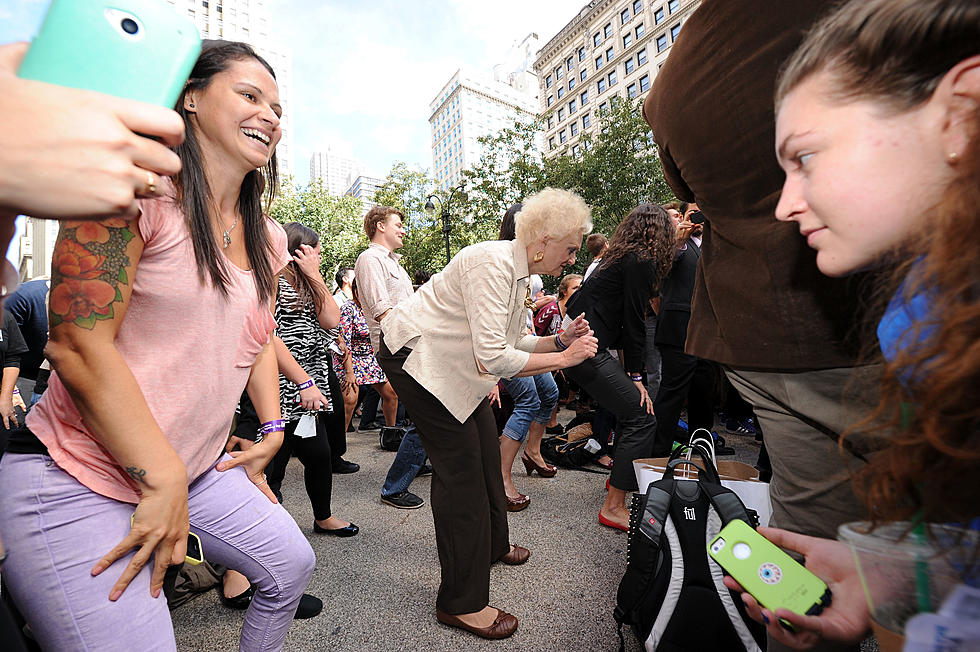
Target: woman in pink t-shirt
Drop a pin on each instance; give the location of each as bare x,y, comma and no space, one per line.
157,324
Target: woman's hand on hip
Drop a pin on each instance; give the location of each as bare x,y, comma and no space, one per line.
254,461
645,401
160,526
578,351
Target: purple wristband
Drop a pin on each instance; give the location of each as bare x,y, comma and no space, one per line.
272,426
305,385
561,345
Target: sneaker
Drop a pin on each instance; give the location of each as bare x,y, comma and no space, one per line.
425,469
373,425
403,500
721,450
740,427
555,430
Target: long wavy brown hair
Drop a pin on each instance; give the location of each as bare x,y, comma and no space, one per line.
930,397
648,233
896,52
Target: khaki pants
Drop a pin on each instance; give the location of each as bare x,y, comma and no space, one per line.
811,487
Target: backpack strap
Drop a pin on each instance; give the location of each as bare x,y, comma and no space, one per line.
727,503
655,510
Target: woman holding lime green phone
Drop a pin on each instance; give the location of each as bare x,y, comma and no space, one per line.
158,323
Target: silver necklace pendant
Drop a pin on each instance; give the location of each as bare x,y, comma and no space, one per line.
227,239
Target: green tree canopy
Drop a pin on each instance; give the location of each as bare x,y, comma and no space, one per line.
338,220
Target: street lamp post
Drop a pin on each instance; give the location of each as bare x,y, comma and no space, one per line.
447,226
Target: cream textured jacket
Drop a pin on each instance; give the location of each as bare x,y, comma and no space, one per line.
466,326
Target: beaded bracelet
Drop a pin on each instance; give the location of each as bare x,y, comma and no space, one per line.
305,384
561,345
636,378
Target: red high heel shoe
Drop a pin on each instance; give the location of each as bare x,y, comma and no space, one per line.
546,471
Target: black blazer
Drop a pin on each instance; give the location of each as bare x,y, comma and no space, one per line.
614,299
675,297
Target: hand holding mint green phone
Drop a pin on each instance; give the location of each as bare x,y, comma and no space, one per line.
77,154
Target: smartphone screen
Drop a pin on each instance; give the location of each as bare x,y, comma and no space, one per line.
772,577
195,551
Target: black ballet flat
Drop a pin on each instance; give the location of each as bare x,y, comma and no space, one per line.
348,531
240,601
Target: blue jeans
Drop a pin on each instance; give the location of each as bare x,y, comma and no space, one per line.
408,460
535,398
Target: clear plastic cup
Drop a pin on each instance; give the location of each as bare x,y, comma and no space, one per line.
906,571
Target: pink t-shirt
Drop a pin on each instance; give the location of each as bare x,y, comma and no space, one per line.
189,347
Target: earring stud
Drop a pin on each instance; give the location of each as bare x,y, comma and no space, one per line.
952,157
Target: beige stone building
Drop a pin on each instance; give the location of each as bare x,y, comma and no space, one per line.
612,48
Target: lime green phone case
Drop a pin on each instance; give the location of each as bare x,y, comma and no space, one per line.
774,579
82,44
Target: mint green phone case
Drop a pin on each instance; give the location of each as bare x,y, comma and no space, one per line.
774,579
81,45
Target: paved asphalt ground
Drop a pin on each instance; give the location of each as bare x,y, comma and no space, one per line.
379,587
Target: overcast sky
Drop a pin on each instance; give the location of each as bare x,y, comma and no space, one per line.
364,73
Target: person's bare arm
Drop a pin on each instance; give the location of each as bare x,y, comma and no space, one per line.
310,398
263,390
92,274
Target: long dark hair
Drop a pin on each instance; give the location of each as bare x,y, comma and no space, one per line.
648,233
194,195
296,236
507,224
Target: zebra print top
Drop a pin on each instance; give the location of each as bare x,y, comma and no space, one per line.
300,331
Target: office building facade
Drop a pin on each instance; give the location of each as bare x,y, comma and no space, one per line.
611,49
474,104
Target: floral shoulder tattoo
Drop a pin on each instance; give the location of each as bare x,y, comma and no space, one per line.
88,268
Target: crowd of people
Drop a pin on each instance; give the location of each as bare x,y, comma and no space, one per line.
191,344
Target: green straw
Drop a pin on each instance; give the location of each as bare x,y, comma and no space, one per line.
922,592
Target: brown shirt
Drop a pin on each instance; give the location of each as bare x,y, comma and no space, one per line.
759,300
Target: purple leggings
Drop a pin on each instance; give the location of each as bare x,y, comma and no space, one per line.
55,529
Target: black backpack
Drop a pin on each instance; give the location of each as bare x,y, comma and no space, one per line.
672,593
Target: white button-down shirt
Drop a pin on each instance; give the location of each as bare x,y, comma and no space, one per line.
466,326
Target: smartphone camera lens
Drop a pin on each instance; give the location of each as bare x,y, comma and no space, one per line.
129,26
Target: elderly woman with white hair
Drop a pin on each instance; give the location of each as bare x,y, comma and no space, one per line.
443,350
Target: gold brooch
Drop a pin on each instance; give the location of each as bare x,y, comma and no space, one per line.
528,303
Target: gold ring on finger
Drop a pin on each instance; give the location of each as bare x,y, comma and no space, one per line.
151,184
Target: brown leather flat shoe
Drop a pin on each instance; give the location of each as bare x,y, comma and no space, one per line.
502,627
517,504
516,556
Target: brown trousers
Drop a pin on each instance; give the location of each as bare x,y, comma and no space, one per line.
469,506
